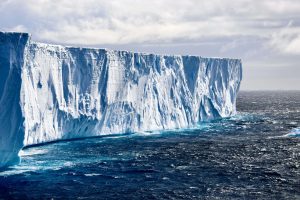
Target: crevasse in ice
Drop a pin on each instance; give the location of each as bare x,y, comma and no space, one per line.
52,92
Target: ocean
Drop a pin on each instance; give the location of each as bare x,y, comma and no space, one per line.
253,155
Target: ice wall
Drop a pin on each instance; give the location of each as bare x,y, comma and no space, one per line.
12,48
51,92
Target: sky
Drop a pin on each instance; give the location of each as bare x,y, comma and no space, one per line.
265,34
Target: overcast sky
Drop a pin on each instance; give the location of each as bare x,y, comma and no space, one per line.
265,34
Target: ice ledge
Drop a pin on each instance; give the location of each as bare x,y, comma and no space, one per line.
51,92
46,45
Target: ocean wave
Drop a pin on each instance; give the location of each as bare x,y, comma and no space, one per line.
32,151
294,133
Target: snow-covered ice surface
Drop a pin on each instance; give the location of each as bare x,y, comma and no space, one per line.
52,92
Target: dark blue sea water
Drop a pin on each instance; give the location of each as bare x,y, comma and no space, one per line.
254,155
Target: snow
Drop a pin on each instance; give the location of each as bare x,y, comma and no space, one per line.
52,92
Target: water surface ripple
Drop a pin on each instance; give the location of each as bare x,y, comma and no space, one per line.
253,155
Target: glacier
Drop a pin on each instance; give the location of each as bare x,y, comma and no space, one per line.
52,92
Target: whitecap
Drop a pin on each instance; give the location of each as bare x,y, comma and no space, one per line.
93,174
32,151
15,170
294,133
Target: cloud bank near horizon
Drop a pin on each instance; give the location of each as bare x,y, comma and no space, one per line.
262,33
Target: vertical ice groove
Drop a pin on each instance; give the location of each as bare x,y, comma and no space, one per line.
51,92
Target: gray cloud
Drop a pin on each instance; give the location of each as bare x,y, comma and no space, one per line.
264,32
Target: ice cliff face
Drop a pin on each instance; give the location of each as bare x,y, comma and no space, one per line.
50,92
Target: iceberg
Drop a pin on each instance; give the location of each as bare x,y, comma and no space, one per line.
294,133
52,92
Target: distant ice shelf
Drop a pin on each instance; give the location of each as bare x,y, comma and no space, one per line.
52,92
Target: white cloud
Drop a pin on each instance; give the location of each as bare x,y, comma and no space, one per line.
253,30
129,21
287,40
93,22
19,28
